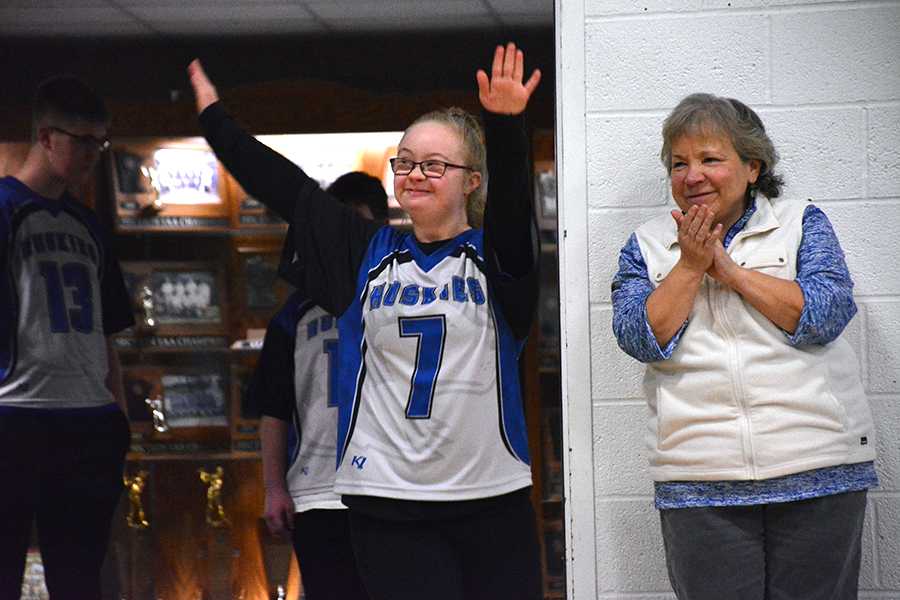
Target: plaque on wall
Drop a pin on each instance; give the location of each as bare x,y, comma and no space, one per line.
176,305
257,290
168,185
245,414
177,410
248,212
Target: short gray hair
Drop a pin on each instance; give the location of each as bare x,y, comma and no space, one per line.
706,113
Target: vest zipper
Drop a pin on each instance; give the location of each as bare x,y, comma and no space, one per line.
737,382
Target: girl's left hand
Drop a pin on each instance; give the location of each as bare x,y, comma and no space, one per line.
504,93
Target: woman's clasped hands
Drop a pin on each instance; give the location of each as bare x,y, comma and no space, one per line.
701,241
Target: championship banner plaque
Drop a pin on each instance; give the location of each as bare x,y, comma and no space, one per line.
168,185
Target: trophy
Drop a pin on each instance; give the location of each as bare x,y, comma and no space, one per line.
219,549
135,484
159,414
152,176
146,306
215,512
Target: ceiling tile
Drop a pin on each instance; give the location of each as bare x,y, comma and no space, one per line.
236,27
399,10
203,17
211,5
222,13
515,20
528,7
402,25
46,20
72,5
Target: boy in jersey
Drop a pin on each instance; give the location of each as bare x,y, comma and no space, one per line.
63,435
294,386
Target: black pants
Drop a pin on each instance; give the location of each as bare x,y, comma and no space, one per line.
64,470
322,544
808,549
487,555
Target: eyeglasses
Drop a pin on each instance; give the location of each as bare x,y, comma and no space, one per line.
86,140
433,169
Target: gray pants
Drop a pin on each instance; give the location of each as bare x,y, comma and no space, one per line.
807,550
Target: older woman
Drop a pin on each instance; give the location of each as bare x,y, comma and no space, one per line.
761,441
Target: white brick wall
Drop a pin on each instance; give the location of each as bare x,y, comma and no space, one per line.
825,78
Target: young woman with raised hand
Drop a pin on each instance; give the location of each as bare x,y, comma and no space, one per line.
432,449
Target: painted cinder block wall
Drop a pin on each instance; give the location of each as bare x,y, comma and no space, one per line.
825,78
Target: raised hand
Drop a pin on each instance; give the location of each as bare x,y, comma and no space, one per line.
697,238
204,91
504,93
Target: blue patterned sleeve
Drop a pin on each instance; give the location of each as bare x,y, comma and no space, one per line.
825,281
631,287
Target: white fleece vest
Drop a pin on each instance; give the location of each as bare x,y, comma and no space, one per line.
736,401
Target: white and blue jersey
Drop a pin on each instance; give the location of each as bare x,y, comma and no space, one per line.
296,381
61,294
431,407
430,333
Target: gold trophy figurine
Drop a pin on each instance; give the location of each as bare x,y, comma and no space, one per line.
135,486
215,512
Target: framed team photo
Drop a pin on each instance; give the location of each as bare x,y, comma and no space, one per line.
169,184
194,399
177,298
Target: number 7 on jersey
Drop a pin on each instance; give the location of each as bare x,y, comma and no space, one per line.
430,333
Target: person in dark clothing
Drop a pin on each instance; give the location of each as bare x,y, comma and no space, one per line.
292,385
63,432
